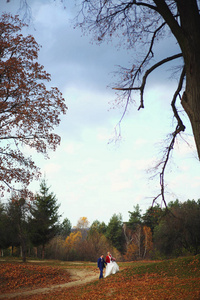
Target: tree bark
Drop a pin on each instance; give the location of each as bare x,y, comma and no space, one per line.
190,23
191,98
187,33
43,248
23,249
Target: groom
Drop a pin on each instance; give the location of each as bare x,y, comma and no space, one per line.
101,264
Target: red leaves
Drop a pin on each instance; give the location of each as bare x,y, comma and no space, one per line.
148,280
16,276
29,112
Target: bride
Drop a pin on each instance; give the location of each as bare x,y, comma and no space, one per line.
111,267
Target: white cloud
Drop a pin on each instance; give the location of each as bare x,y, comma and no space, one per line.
144,164
125,165
121,185
52,169
196,184
141,142
85,172
71,148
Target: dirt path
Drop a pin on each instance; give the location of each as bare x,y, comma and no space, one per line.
78,277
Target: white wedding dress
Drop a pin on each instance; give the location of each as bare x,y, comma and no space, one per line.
111,268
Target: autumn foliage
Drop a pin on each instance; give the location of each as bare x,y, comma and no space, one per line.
29,111
14,276
170,279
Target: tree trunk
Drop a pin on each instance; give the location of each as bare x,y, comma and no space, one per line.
36,251
23,249
187,33
189,42
145,244
191,97
43,247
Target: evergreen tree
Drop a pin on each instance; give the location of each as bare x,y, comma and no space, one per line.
178,231
97,226
44,219
4,232
114,232
17,228
135,218
65,228
152,216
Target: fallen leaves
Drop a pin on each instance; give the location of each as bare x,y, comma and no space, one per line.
14,276
172,279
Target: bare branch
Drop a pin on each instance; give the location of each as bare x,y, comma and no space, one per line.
180,127
144,79
180,123
170,58
146,4
148,52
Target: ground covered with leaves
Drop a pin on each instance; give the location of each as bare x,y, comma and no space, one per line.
15,276
171,279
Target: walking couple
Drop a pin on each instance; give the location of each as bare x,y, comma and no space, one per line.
111,265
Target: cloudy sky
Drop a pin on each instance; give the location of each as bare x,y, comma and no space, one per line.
90,176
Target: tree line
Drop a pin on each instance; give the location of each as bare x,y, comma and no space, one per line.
30,112
33,228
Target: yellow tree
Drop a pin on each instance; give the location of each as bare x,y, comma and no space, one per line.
72,242
28,110
73,239
82,223
140,243
83,226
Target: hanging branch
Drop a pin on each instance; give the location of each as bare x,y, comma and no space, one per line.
150,52
142,86
144,79
180,127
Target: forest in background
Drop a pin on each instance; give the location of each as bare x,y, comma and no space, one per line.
32,228
29,113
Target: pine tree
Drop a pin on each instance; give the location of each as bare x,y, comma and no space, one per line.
44,219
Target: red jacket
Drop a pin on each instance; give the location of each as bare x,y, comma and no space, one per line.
108,259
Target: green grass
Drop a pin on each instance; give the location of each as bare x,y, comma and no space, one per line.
181,267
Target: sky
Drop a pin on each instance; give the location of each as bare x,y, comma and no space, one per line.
91,173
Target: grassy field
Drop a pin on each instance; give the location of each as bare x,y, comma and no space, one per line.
170,279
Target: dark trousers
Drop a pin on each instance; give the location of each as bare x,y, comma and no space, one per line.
101,273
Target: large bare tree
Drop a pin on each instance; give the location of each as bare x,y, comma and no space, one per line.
144,23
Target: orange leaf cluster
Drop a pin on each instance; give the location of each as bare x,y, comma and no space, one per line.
126,285
29,111
165,280
119,287
17,276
